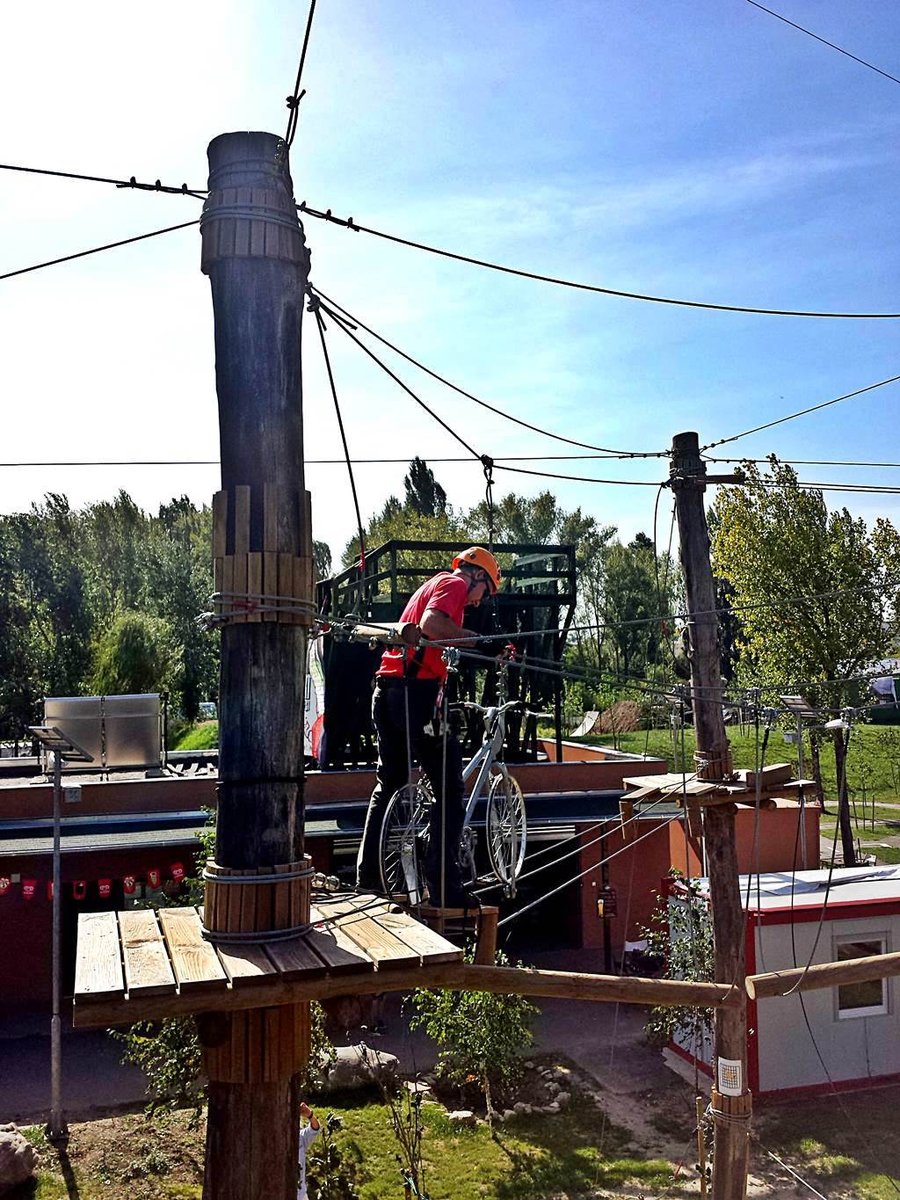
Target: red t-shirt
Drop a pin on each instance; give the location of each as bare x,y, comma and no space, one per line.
443,593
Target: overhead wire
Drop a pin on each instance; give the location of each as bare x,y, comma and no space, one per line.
165,189
593,867
344,325
802,413
98,249
349,223
314,307
603,451
832,45
293,101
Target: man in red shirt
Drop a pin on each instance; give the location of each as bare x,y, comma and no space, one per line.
407,718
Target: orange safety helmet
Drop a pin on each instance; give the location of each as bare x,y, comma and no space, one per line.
477,556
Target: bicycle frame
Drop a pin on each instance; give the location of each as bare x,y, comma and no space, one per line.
486,756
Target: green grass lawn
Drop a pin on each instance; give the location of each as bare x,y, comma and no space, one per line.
526,1158
203,736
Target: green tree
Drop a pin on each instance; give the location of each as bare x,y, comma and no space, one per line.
424,495
178,586
815,591
134,654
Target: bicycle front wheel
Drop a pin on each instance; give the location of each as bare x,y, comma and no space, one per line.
404,840
505,830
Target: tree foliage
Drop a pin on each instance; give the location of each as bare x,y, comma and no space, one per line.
70,583
134,654
480,1036
814,589
680,934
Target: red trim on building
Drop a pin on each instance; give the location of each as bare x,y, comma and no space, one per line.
839,1085
803,914
702,1067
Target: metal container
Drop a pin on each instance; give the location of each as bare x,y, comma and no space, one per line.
119,731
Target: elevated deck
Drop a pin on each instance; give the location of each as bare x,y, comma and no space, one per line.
145,964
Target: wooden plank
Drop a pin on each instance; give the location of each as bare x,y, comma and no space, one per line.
245,964
241,519
220,524
356,922
296,959
424,942
254,580
148,971
340,955
773,775
98,965
194,961
270,583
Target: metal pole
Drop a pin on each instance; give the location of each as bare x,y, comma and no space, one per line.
803,861
57,1130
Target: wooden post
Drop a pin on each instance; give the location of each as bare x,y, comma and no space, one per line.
257,262
731,1112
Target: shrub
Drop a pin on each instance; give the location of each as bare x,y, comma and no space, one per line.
480,1035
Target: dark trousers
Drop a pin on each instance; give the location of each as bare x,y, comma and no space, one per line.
440,759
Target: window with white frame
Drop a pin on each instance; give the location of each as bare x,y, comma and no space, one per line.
868,998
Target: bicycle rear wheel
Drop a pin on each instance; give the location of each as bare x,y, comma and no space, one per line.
505,830
404,840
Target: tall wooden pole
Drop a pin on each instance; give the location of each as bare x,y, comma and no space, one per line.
257,262
731,1100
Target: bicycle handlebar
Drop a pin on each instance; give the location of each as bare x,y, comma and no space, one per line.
480,708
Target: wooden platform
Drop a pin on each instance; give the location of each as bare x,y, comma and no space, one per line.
744,787
145,964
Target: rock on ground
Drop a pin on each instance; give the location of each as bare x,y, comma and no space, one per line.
18,1158
357,1065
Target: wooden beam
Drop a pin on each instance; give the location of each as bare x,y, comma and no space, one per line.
822,975
567,985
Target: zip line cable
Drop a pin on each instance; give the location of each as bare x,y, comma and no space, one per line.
341,323
795,462
184,190
314,308
576,478
593,867
603,451
293,101
809,33
802,413
498,463
98,249
349,223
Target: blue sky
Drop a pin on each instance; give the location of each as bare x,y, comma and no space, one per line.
687,148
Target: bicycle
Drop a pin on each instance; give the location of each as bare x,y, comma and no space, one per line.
404,829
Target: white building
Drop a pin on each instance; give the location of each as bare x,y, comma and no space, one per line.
848,1035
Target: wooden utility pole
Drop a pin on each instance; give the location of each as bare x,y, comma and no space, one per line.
731,1100
258,884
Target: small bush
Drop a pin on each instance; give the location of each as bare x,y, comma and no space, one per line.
480,1035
